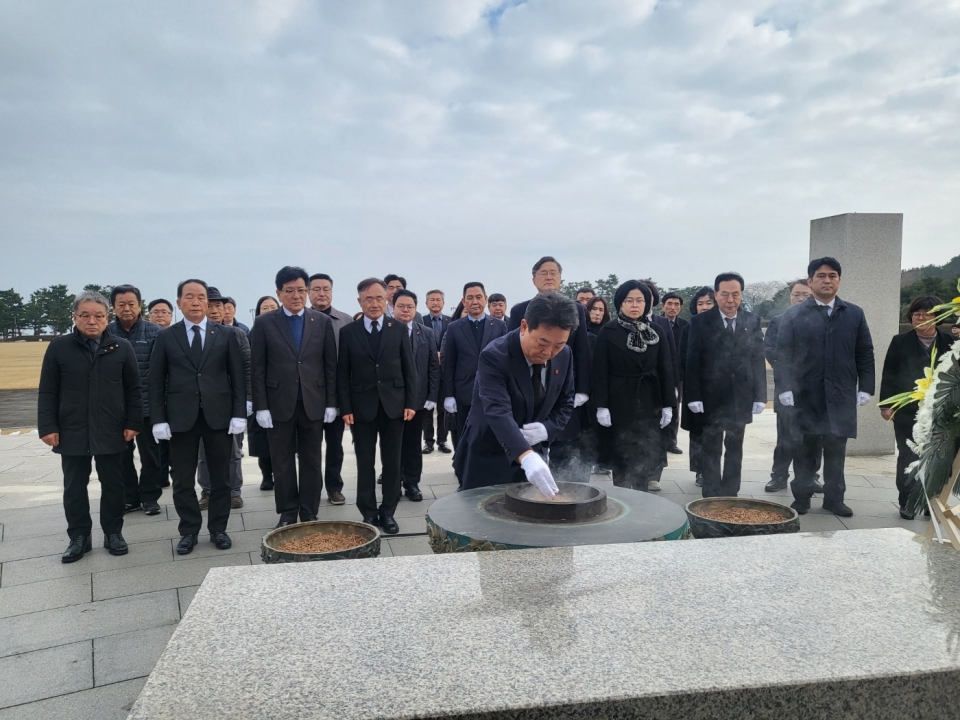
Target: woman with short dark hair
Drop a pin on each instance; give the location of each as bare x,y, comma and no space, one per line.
704,299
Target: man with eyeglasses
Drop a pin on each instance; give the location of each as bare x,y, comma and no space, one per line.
787,436
564,452
89,406
160,312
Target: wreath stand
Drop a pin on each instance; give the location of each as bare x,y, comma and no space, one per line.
944,517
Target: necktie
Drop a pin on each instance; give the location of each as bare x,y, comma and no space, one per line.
477,332
824,312
730,327
375,338
296,329
539,391
196,347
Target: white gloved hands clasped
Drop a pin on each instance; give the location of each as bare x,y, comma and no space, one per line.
695,407
666,417
237,426
863,398
450,405
534,433
539,474
161,431
264,419
758,408
429,405
329,415
786,398
580,399
603,417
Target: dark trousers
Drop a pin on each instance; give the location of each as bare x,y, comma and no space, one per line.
165,470
76,501
789,439
236,471
297,437
333,434
696,450
905,456
390,432
725,441
184,452
146,486
411,456
460,422
442,420
805,466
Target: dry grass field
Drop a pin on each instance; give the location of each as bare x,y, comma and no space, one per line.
20,365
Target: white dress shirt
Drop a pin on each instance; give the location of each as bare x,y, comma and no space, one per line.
290,314
828,305
189,325
368,323
728,321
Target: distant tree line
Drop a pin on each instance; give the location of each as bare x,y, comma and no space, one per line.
47,310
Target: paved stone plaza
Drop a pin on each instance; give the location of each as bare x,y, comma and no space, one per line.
77,641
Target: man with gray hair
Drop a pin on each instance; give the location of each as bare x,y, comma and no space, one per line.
89,407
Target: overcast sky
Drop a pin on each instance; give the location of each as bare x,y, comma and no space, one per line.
460,140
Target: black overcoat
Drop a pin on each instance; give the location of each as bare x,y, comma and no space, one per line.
904,364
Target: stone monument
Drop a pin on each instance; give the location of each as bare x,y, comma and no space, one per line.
868,247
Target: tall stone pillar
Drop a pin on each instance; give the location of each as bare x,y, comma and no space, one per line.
868,246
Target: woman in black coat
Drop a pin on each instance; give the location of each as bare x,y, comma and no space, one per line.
256,435
633,386
907,357
598,315
703,300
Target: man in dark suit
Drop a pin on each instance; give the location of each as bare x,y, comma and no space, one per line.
672,305
428,385
523,398
198,391
321,299
726,380
826,371
294,377
438,323
462,344
565,449
377,391
788,438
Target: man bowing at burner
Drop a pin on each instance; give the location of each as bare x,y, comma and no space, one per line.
522,397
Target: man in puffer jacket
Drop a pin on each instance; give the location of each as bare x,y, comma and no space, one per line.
143,491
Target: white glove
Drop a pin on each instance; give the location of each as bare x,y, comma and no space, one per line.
264,419
695,407
450,405
580,399
161,431
249,408
534,433
863,398
329,415
603,417
237,426
786,398
429,405
539,474
758,408
666,417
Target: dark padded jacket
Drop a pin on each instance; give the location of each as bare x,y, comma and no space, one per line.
141,337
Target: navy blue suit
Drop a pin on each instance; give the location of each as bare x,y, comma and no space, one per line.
502,403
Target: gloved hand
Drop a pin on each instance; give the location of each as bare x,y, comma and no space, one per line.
863,398
161,431
429,405
666,417
237,426
786,398
603,417
249,408
695,407
450,405
580,399
539,474
264,419
329,415
534,433
758,408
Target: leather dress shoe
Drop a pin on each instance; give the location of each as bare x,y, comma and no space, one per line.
115,543
131,507
336,498
776,484
77,547
221,540
443,448
800,507
375,521
389,525
267,484
427,449
907,514
186,544
236,502
413,492
674,450
839,509
151,508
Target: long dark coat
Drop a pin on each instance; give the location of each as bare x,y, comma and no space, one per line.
824,364
904,364
89,399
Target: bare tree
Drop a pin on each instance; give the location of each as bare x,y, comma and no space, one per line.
756,293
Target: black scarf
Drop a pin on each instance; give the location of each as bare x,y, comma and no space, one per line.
639,334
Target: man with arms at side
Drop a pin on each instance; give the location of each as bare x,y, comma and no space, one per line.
321,300
826,371
497,306
438,323
141,491
198,391
377,389
672,305
294,377
427,365
89,407
726,381
522,398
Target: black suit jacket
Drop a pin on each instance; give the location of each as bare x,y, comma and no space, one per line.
179,386
725,371
423,345
364,382
460,355
279,370
904,364
677,327
578,343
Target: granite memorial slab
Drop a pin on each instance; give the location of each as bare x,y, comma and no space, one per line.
858,624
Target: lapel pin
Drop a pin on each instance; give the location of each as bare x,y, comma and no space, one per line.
556,372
